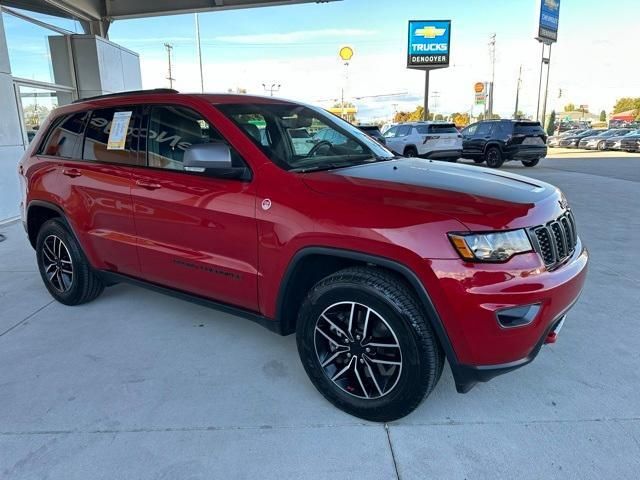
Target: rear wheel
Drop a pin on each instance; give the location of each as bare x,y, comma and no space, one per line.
411,152
366,344
493,157
531,163
63,267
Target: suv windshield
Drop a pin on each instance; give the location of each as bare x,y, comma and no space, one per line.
330,141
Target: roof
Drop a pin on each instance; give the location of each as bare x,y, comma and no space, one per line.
213,98
110,10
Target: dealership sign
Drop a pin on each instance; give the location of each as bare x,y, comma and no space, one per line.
548,24
429,44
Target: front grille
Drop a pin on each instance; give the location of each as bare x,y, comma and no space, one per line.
556,241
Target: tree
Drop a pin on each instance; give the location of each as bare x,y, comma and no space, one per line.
570,107
35,114
626,103
603,116
552,123
439,117
460,119
415,116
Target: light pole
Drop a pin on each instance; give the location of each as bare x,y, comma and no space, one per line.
273,87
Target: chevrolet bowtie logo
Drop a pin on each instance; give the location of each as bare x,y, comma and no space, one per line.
430,32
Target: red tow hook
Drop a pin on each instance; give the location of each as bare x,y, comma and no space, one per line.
552,336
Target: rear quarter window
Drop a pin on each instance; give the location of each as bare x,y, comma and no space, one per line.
443,128
64,137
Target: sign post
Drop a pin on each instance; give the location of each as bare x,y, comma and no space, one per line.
547,34
429,46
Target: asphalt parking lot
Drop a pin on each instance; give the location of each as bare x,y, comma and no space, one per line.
137,385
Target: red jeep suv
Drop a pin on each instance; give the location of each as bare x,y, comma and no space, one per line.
383,266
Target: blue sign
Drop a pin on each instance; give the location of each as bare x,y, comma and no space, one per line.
549,16
429,44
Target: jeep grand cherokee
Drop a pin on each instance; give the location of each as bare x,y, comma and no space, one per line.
383,267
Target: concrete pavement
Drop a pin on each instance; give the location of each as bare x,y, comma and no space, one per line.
137,385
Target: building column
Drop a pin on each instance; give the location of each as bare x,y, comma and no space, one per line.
11,140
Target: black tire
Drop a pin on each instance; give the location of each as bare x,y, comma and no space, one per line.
531,163
386,295
411,152
82,285
493,157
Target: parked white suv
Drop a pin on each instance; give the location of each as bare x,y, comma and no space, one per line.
437,140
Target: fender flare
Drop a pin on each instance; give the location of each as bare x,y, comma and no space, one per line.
55,208
401,269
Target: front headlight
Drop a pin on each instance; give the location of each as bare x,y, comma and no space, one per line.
491,246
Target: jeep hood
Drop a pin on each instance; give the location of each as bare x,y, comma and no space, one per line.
478,197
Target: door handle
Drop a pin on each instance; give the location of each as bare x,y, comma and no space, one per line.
71,172
148,184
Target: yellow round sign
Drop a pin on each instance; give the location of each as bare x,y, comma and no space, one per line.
346,53
479,87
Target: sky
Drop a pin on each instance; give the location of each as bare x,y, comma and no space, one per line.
594,61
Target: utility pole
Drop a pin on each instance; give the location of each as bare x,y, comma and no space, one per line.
274,87
435,96
515,112
199,52
170,77
492,56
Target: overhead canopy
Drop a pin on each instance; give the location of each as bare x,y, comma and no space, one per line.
97,14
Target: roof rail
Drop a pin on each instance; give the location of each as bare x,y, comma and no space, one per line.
131,92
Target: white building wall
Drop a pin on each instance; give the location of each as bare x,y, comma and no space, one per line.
11,139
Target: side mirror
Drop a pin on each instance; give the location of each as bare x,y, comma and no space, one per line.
213,159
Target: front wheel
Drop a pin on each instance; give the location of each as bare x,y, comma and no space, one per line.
366,344
602,145
493,157
410,152
531,163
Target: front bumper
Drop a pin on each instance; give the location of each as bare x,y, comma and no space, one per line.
471,295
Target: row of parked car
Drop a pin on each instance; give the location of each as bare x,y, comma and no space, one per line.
491,141
625,139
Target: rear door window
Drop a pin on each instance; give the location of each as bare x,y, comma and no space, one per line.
64,139
96,141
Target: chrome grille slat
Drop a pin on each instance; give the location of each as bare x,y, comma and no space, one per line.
556,241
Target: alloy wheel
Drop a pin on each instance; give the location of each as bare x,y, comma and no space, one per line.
358,350
57,263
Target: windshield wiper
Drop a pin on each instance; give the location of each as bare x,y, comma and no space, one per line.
334,165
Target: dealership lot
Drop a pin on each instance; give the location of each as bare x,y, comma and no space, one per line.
140,385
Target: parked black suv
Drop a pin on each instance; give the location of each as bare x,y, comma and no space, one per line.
374,132
498,141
